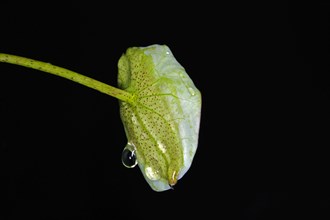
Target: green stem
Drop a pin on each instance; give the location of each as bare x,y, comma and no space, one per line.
68,74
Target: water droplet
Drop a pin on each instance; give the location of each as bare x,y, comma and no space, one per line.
134,119
151,173
161,146
192,91
128,157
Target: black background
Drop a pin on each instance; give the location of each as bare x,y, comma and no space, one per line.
263,74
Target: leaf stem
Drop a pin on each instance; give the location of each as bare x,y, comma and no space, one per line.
68,74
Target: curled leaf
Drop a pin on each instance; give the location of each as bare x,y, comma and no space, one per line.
162,120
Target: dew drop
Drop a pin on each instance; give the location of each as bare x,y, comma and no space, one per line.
151,173
128,157
192,91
